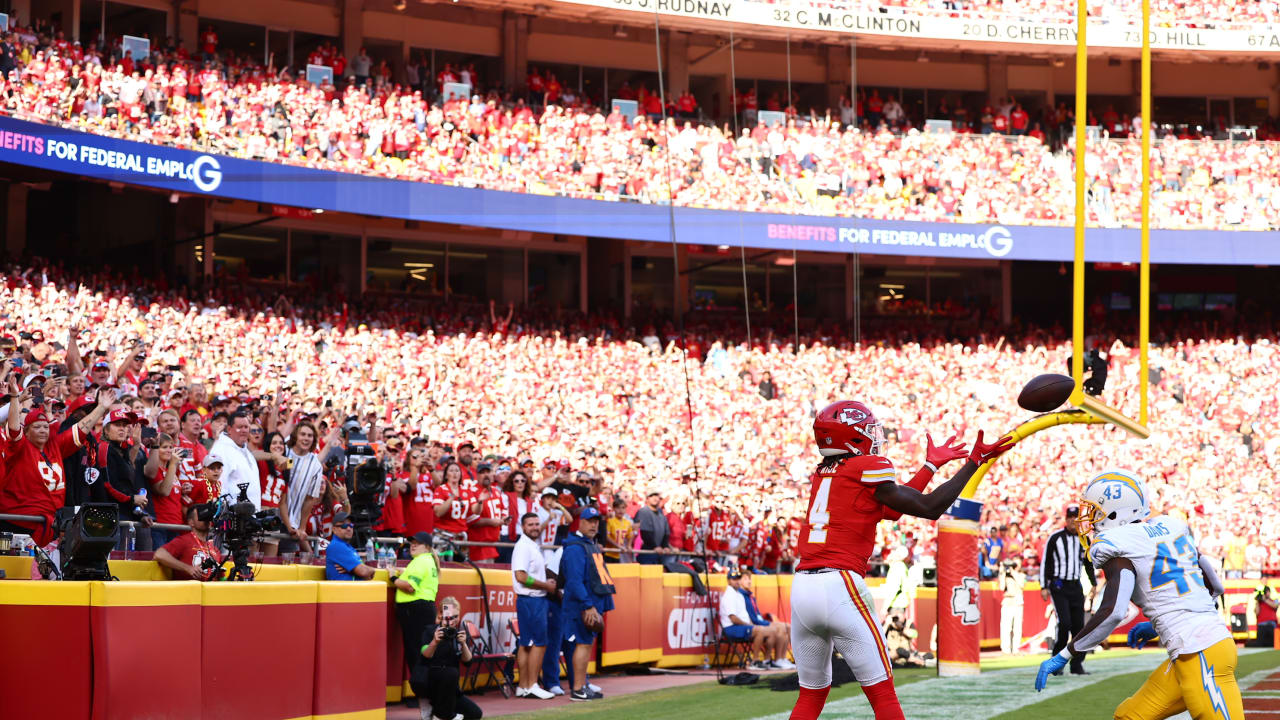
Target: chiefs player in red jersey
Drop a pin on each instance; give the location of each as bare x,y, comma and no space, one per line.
852,490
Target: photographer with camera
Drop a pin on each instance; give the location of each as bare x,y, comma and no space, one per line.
341,562
1012,581
1266,616
435,679
192,555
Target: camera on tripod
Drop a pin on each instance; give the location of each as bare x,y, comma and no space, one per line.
1095,362
240,524
366,481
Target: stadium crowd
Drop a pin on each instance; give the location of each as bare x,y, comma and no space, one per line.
461,401
999,167
1174,13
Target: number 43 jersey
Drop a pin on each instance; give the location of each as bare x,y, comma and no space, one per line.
1169,588
839,530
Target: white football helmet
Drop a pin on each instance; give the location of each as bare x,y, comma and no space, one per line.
1111,499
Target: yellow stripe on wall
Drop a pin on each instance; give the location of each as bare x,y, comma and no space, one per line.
351,592
39,592
275,593
144,594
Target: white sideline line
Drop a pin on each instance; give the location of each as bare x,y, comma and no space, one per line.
980,697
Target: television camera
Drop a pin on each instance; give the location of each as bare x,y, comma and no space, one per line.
239,525
366,481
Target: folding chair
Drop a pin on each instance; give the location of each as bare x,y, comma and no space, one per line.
725,651
485,660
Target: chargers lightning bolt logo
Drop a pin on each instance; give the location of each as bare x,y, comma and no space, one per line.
1211,688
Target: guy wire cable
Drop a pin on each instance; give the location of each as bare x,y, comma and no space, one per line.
675,257
742,246
857,257
795,282
675,248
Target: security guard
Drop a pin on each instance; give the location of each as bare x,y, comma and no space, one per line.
416,590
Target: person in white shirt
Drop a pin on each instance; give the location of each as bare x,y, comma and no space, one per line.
529,580
239,462
735,623
550,515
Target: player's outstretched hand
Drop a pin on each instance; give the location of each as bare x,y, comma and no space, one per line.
937,456
982,452
1141,633
1047,668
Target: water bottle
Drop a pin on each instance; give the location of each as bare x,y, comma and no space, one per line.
133,534
370,552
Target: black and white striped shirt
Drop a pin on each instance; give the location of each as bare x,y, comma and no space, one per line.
1063,559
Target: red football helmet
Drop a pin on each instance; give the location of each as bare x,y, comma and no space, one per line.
847,426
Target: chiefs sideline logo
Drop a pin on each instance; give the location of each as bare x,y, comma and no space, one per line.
964,601
851,416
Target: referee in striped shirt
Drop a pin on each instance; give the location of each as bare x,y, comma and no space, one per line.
1061,562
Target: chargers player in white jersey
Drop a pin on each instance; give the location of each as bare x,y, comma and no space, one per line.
1155,562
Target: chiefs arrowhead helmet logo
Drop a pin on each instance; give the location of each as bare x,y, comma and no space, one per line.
964,601
851,416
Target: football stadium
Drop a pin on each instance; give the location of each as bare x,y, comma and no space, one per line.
706,359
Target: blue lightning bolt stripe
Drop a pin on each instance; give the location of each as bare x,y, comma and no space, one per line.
1211,688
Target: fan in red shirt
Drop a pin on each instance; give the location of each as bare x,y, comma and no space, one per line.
192,555
493,514
453,505
681,539
793,538
32,478
418,499
718,533
852,490
392,520
166,492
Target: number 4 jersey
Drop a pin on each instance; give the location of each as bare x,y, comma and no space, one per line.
1169,586
840,528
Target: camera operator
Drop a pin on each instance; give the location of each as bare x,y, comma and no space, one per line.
1012,581
341,562
435,680
1266,616
192,555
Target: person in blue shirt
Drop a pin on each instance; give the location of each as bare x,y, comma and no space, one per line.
992,549
588,595
341,561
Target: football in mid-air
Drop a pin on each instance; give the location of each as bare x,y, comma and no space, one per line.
1045,393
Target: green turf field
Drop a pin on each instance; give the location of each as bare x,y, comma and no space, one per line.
1003,692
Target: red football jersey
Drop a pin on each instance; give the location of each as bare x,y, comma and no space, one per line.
840,528
418,505
455,518
392,508
495,508
718,535
32,480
